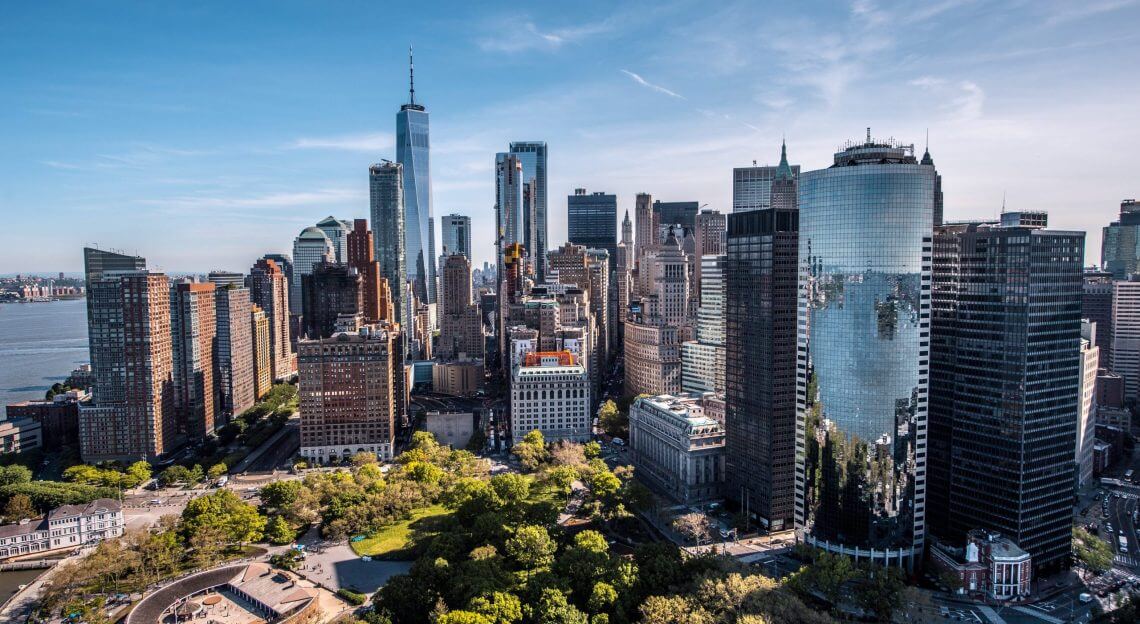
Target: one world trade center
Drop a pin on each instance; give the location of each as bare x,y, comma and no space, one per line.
412,151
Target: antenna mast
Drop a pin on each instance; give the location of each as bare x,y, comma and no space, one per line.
411,78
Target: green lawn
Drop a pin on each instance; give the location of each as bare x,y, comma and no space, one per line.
394,541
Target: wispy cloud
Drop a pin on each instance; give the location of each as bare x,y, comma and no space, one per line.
375,142
962,100
510,37
656,87
281,199
1073,11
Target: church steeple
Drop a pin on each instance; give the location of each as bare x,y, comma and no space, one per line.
783,170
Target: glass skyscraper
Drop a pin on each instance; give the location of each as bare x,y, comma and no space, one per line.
456,231
591,220
1120,251
386,195
863,352
413,152
1005,385
532,155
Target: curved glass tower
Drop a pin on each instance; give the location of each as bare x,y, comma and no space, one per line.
412,151
864,326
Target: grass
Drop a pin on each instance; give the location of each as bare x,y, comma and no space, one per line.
396,541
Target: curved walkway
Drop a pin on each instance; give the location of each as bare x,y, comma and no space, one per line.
149,610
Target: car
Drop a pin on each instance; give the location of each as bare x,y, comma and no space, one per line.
1085,598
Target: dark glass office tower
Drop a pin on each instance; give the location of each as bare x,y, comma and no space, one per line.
683,213
592,221
330,290
386,196
1005,374
1120,252
413,152
761,286
532,156
864,250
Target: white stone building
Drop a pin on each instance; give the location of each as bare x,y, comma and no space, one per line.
678,448
550,392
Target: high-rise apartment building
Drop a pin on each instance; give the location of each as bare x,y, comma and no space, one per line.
284,262
1005,396
132,416
337,232
349,394
586,269
413,153
262,351
761,274
659,321
703,359
461,329
864,245
752,186
709,240
550,392
1120,249
1096,306
592,221
386,190
222,279
269,290
330,290
234,370
532,156
309,248
457,235
193,331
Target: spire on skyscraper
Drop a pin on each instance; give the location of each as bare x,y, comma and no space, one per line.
783,170
411,78
926,159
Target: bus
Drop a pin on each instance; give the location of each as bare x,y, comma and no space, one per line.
1123,543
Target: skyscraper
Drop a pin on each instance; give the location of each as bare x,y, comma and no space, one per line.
413,151
330,290
927,160
457,235
676,213
375,295
508,205
132,416
193,331
337,232
1124,357
1120,250
310,247
591,221
532,155
234,369
646,228
659,320
1086,422
262,353
269,291
761,277
386,195
703,359
863,373
752,186
709,236
1005,395
461,329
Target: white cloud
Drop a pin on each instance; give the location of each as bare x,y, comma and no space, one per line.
961,101
374,142
645,83
281,199
510,37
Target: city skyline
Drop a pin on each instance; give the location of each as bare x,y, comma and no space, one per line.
139,147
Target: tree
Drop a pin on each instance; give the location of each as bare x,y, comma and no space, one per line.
15,475
561,477
196,474
362,459
531,451
1092,551
18,508
602,597
462,617
567,454
612,420
173,475
278,531
553,608
498,607
138,473
217,470
206,543
511,488
423,472
238,519
673,610
693,526
531,547
592,450
280,494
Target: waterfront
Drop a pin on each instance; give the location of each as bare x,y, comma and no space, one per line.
40,343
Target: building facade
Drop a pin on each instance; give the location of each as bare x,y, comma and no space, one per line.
193,330
1124,358
386,196
262,352
752,186
461,328
1006,393
532,156
348,393
550,392
309,248
1120,250
864,249
678,450
269,290
703,359
337,232
1086,422
234,372
591,221
413,153
330,290
456,235
66,527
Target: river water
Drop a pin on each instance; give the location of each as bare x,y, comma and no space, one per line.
40,344
11,581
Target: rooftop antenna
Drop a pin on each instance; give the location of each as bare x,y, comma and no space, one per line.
1003,202
411,78
868,135
928,139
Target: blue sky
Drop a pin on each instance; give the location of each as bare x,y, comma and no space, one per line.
202,135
